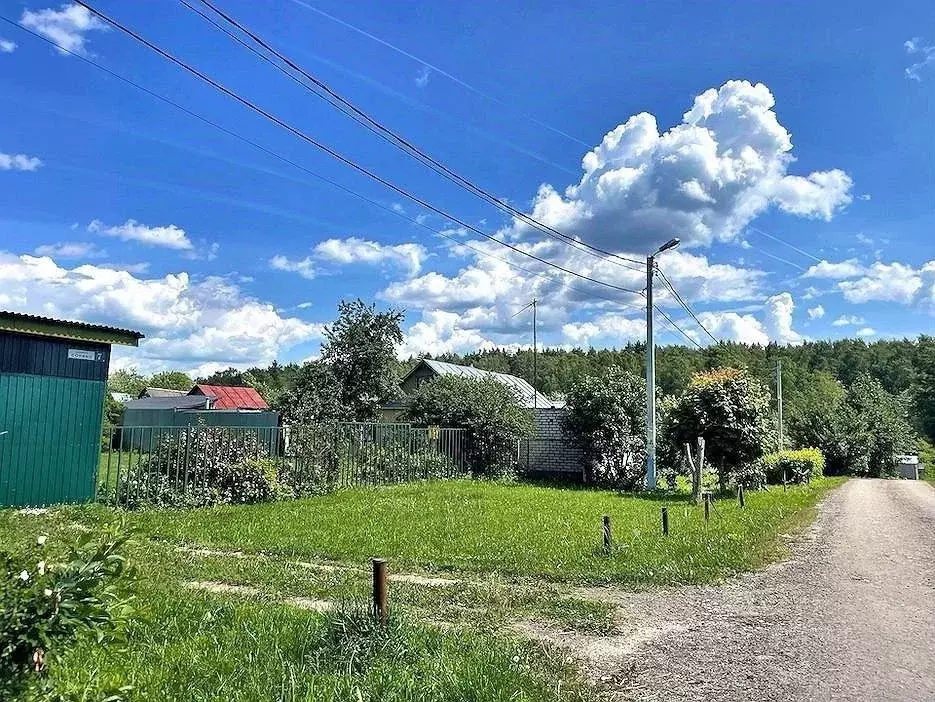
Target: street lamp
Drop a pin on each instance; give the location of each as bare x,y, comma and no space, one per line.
651,367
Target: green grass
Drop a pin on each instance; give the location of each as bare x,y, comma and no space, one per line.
446,643
514,530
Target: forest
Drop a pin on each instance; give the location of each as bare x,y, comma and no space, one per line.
905,368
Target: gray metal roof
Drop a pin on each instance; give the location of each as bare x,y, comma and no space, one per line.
527,395
162,392
169,403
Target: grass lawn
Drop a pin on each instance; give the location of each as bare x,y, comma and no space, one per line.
445,643
513,530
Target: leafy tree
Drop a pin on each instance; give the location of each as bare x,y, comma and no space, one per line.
360,348
487,409
128,381
606,417
171,380
923,404
877,427
315,396
731,410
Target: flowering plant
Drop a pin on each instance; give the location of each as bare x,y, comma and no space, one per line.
47,603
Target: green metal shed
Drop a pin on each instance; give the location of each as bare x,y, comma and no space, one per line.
53,375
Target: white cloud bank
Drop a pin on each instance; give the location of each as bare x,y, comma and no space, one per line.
67,26
353,250
187,322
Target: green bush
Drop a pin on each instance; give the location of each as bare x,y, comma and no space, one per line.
486,408
731,410
45,606
793,466
605,417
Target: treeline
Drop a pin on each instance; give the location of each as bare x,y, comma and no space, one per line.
904,368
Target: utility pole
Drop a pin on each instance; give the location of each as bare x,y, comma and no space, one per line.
779,397
535,349
651,367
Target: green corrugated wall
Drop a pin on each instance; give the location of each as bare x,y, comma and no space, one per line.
50,429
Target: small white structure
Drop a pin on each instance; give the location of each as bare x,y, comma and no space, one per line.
908,467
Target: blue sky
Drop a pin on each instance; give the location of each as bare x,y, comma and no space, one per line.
788,145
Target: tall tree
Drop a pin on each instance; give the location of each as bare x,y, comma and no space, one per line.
171,380
360,349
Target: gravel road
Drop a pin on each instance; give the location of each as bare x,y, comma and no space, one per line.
850,616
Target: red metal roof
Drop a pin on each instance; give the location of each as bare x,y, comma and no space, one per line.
228,397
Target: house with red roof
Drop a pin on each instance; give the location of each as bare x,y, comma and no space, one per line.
227,397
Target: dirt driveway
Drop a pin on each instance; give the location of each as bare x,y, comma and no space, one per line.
849,616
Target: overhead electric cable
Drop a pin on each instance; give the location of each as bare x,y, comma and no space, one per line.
685,306
349,109
438,70
331,152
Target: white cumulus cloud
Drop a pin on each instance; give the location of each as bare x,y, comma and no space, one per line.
186,322
702,180
67,26
18,162
7,46
848,320
816,312
168,236
778,319
357,250
851,268
884,282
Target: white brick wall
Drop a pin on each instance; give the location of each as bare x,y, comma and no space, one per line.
550,450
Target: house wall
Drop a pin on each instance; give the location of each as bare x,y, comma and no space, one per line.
550,452
420,375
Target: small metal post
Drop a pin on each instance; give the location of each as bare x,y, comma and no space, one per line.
608,539
665,521
740,495
783,479
379,589
707,507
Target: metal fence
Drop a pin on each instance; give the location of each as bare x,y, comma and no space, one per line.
201,465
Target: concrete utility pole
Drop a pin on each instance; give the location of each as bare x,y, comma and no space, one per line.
535,349
651,367
779,398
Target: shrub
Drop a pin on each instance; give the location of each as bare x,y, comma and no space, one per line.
731,410
487,409
45,606
605,417
794,466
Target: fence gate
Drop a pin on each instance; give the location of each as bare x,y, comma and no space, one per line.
49,439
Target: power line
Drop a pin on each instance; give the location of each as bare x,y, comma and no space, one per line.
681,301
333,153
389,135
537,274
785,243
439,71
676,326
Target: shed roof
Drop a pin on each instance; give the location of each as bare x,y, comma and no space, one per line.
169,403
65,329
162,392
230,397
527,395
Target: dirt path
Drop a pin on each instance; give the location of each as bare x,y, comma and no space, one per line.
850,616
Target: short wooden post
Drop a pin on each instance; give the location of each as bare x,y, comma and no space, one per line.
608,537
379,589
740,495
707,507
783,479
665,521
